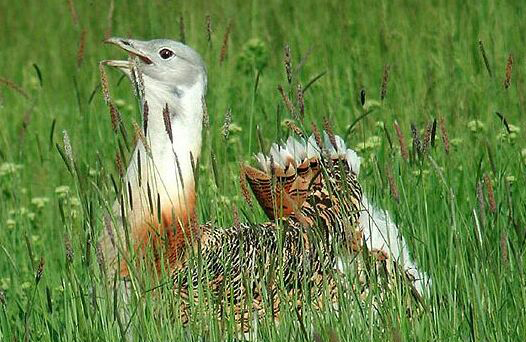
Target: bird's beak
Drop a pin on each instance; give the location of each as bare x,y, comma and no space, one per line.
133,50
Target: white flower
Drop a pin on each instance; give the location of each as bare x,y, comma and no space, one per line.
39,202
62,191
476,125
9,168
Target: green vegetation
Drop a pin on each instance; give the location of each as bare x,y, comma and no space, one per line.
463,212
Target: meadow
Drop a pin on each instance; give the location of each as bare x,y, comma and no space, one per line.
430,94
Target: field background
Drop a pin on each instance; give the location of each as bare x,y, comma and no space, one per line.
472,246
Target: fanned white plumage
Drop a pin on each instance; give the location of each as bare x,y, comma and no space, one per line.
380,232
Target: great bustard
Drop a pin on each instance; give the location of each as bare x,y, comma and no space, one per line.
307,187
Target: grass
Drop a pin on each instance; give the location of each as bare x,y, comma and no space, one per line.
469,238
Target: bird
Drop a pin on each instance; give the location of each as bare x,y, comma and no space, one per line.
320,224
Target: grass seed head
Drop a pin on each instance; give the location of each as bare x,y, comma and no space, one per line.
385,81
485,57
69,249
67,147
40,270
509,64
224,47
118,164
82,45
208,20
104,84
395,194
330,132
73,12
504,247
100,257
491,195
115,117
401,141
287,102
287,62
182,35
244,187
145,114
109,229
300,100
443,134
168,123
225,129
417,143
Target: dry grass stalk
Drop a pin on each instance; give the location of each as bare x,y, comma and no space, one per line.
82,46
182,36
491,194
115,117
395,194
224,47
225,129
484,57
385,81
401,141
509,64
208,20
443,134
301,101
109,19
287,61
288,103
10,84
168,123
73,12
244,187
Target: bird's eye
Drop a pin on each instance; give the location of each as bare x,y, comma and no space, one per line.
166,53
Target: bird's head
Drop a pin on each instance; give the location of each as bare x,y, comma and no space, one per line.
163,63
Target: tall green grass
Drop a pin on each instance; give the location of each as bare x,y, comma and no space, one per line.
472,250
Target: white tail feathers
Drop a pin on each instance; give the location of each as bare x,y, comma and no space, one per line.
381,233
296,150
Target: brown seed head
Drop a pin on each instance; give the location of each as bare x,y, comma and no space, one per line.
40,270
443,134
168,123
328,128
401,141
385,80
287,61
115,117
104,84
224,47
226,124
69,249
491,195
287,102
80,50
208,20
395,194
509,64
244,186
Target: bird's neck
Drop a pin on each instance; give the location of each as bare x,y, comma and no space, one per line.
161,174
